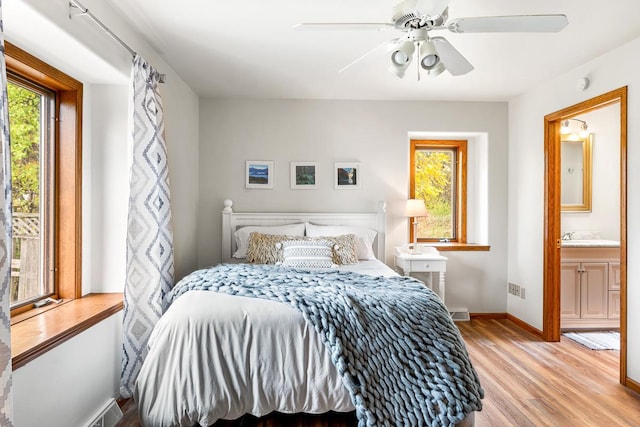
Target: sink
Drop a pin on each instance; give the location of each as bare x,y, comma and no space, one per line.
590,243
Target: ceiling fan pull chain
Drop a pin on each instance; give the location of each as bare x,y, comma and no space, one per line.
418,59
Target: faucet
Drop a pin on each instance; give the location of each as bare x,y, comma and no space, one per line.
567,236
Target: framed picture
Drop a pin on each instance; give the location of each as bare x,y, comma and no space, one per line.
304,175
347,175
259,174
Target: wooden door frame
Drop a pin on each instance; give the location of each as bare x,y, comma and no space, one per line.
552,230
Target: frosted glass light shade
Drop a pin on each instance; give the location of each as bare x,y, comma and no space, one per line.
429,57
401,53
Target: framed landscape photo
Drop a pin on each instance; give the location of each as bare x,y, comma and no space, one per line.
347,175
304,175
259,174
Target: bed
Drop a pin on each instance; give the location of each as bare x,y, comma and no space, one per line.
252,339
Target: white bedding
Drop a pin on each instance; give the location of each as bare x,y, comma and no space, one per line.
240,355
370,267
215,356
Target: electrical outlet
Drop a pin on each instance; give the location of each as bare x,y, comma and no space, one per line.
516,290
522,292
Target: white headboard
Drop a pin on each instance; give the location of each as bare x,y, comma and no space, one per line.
231,221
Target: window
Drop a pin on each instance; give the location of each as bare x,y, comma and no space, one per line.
439,177
45,112
31,108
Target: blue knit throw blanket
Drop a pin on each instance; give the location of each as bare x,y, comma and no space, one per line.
391,339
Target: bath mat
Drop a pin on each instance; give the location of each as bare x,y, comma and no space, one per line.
597,340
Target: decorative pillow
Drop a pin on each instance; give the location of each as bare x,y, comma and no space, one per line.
307,253
365,236
242,235
262,248
344,248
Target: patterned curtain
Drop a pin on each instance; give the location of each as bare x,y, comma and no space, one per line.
149,275
6,401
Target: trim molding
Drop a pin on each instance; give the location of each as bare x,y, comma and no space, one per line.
460,148
488,316
632,385
68,170
552,211
524,325
460,247
36,335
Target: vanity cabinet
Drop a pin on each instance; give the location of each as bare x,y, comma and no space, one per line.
590,288
614,290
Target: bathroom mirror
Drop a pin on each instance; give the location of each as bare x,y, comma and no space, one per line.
576,173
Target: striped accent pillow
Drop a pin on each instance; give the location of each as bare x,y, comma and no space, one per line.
307,254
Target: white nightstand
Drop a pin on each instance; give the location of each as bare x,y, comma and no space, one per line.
427,260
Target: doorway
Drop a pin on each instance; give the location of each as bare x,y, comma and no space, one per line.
552,216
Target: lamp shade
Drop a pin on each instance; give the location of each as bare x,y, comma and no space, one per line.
415,207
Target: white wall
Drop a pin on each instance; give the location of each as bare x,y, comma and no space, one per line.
106,156
604,218
526,181
61,389
374,133
81,49
84,371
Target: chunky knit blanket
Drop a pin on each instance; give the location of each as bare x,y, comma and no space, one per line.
391,339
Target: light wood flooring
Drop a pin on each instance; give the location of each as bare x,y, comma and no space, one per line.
527,382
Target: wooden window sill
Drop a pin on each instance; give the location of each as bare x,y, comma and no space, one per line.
34,334
454,246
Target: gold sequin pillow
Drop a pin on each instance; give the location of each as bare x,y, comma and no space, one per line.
262,247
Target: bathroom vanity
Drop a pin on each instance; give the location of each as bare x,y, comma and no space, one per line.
590,277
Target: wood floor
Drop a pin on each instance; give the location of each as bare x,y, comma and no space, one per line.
527,382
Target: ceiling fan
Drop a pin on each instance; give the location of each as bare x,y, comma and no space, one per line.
417,18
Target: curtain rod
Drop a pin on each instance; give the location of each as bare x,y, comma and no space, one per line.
75,4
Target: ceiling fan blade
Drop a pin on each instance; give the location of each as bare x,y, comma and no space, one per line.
363,56
453,61
341,26
431,7
505,24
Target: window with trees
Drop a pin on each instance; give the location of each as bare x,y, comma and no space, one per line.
439,177
31,108
45,116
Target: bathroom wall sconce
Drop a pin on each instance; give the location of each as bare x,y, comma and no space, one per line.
566,127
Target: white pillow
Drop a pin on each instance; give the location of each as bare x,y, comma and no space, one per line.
307,254
242,235
365,236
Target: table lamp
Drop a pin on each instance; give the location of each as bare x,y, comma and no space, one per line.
415,208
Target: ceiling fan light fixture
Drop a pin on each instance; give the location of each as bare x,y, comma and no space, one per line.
398,71
401,53
429,58
437,70
417,18
401,56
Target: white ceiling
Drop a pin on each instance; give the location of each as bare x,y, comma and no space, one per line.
248,49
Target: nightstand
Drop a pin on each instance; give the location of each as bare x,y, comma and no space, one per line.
427,260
